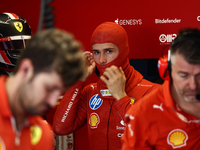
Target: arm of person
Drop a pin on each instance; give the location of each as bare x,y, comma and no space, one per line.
68,116
71,113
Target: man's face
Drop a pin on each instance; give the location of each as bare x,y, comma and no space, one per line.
186,78
104,53
39,94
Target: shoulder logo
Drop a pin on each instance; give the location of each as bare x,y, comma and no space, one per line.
95,102
36,134
18,26
94,120
177,138
158,107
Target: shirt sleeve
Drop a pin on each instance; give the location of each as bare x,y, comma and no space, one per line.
72,112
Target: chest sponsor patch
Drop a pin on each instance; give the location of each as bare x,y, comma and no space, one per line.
177,138
94,120
105,92
95,102
36,134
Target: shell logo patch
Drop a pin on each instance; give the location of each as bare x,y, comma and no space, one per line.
177,138
18,26
36,134
95,102
94,120
2,145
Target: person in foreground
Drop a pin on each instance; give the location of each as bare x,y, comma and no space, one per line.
102,105
51,62
168,118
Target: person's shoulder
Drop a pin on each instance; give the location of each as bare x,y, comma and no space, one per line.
39,121
150,83
90,86
146,102
41,133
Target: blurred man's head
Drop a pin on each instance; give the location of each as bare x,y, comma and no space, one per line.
51,63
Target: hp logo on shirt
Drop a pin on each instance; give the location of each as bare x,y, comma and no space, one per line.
95,102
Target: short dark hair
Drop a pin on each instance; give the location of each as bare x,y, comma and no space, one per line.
187,43
55,50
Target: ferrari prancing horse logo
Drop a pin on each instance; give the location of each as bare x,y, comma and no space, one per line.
18,26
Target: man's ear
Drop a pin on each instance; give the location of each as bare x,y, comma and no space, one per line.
26,68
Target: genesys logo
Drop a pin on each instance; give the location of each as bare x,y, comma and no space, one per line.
132,22
163,21
167,38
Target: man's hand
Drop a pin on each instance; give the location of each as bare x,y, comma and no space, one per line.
88,56
115,80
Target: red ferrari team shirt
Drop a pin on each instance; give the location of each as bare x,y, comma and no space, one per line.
156,122
104,116
35,134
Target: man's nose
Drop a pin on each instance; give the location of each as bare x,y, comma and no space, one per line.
102,59
193,83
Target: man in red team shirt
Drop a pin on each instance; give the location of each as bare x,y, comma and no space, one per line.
168,118
51,62
102,105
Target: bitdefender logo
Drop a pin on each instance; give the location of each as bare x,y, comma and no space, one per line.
129,21
162,21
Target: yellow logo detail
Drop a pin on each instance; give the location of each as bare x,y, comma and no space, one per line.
132,100
36,134
107,92
177,138
94,120
18,26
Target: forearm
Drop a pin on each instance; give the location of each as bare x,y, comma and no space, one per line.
65,116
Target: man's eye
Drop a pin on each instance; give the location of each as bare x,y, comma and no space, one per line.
183,75
95,52
109,51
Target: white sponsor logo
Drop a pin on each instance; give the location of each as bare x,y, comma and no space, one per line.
143,85
167,38
159,21
122,123
130,130
198,18
120,128
119,134
158,107
69,105
129,21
